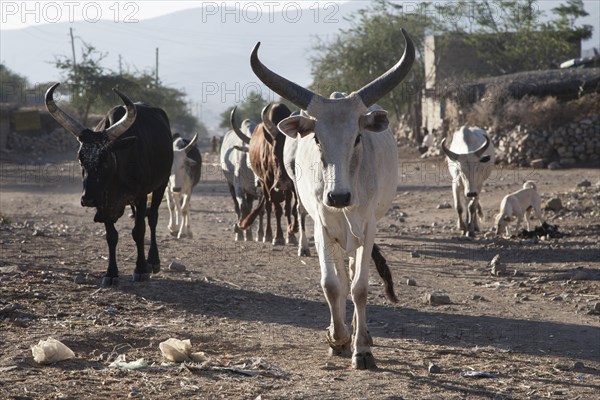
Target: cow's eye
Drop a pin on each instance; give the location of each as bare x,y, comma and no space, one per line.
317,140
357,141
484,159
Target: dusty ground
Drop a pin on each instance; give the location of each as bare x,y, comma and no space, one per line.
259,315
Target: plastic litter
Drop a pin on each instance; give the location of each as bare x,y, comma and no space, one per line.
131,365
50,351
477,374
176,350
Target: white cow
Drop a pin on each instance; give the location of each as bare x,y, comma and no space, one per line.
349,163
241,181
185,174
470,158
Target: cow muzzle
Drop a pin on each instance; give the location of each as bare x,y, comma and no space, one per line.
87,202
176,190
339,200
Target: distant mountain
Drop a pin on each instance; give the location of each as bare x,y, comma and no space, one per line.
205,54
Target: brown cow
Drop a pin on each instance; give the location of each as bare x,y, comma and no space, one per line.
266,160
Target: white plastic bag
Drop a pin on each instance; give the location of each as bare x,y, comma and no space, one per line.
50,351
176,350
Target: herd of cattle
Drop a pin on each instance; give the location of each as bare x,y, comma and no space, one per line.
336,160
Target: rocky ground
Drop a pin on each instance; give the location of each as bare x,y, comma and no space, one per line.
257,313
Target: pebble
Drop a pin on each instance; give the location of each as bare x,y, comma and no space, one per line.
443,206
554,204
437,299
80,278
477,297
557,298
584,183
175,266
434,369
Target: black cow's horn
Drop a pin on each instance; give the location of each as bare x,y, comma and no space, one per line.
237,130
388,81
280,85
114,131
60,116
451,155
483,148
264,116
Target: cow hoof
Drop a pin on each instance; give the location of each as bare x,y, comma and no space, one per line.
155,268
470,234
108,281
292,239
340,351
304,252
267,239
137,277
278,242
239,237
363,361
173,233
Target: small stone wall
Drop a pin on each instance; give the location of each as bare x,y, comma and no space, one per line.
566,146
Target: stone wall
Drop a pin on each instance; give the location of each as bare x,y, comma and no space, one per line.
57,141
566,146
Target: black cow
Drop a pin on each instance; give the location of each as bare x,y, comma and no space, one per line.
124,158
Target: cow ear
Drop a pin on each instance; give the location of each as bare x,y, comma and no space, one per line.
297,125
124,143
374,121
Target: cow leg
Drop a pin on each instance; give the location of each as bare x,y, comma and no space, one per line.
112,273
153,258
330,254
303,249
178,216
184,229
268,232
457,195
292,226
279,240
141,272
172,216
472,217
362,357
236,204
261,231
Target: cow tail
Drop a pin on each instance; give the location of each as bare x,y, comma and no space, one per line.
245,224
384,272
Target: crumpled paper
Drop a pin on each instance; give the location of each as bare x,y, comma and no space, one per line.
178,351
50,351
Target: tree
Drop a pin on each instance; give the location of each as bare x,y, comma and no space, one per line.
249,108
510,35
370,47
91,86
12,86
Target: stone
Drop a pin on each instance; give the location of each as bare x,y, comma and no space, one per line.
434,369
175,266
443,206
436,299
554,204
537,163
554,165
584,183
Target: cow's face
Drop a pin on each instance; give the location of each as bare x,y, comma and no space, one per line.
181,163
338,127
98,162
472,170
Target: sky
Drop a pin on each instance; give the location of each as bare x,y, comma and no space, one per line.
20,14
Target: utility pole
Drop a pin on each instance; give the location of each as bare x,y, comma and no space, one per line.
120,65
73,48
156,71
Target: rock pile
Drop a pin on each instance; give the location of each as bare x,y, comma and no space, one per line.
57,141
578,142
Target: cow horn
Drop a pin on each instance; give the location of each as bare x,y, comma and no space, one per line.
237,130
191,144
264,116
60,116
280,85
114,131
451,155
388,81
479,152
